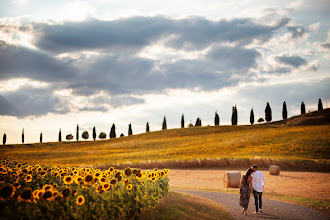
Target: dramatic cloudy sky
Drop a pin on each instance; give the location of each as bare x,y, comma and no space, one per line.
95,63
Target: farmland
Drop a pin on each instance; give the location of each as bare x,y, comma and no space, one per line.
183,146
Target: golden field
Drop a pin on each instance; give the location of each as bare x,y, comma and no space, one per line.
198,146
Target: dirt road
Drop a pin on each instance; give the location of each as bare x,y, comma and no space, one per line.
298,184
272,209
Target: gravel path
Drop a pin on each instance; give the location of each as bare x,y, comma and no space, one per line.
272,209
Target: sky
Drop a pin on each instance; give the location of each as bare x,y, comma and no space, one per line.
95,63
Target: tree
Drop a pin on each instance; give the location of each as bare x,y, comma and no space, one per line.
284,111
113,131
216,119
94,133
147,127
234,116
40,137
23,136
60,136
130,132
182,121
85,135
252,117
4,139
77,134
102,135
268,113
320,106
164,124
261,120
302,108
198,122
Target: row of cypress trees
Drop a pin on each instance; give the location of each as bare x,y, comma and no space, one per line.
268,118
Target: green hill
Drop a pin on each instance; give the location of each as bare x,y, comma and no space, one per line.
304,147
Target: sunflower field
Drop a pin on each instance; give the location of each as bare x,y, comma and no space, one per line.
50,192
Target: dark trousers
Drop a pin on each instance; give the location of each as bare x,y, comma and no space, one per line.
257,198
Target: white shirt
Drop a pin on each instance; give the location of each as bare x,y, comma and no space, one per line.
258,181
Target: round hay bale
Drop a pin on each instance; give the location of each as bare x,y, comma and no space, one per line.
69,137
85,135
102,135
274,170
231,179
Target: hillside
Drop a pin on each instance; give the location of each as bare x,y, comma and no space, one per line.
299,147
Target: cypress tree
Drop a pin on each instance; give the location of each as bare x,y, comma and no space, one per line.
94,133
4,139
60,136
182,121
320,106
40,137
23,136
252,117
302,108
198,122
234,116
130,132
113,131
147,127
268,113
216,119
77,134
164,124
284,111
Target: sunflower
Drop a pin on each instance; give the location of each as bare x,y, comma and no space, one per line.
111,169
102,179
17,185
55,185
80,200
66,192
129,186
7,192
68,180
26,195
106,186
47,187
125,182
43,173
47,195
118,174
55,174
113,181
99,189
74,192
128,171
28,178
88,178
78,180
57,198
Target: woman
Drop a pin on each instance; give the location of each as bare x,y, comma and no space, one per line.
245,189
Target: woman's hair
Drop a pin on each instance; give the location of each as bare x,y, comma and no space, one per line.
248,173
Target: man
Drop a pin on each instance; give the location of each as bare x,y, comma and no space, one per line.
258,182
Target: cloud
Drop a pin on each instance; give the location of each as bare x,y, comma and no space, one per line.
29,101
18,61
291,60
133,33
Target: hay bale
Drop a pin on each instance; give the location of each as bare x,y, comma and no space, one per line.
231,179
102,135
69,137
85,135
274,170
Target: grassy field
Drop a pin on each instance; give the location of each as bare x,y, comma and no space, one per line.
198,146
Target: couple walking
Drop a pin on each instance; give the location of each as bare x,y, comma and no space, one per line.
251,184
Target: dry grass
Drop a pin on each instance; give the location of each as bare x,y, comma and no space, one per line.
182,206
211,146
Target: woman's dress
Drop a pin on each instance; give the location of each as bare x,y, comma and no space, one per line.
245,193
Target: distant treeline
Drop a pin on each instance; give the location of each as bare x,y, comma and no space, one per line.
234,119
